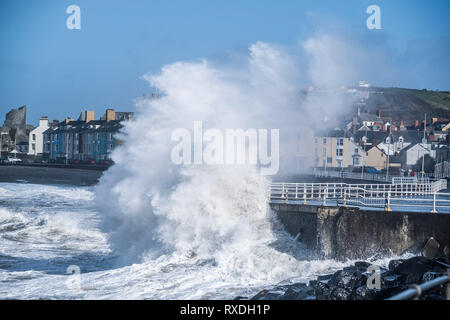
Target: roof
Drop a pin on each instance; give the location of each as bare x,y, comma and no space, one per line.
409,136
379,136
369,117
335,133
82,126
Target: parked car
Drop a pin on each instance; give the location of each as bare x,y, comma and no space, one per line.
105,162
41,160
88,161
11,160
371,170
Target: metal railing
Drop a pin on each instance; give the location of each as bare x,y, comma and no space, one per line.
416,290
351,175
403,195
382,177
442,170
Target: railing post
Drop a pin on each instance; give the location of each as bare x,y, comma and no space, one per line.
434,203
325,193
287,195
345,201
388,201
304,194
296,191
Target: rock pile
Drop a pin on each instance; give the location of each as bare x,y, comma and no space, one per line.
359,282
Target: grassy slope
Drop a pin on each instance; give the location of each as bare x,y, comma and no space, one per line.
411,104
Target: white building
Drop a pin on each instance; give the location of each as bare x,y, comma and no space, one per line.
35,140
414,153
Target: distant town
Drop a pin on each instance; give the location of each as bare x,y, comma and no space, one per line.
85,140
366,144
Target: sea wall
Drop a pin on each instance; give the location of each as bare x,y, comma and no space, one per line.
350,233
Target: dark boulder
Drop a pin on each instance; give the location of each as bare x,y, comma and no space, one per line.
395,263
306,292
293,291
321,290
414,269
364,293
391,280
362,266
325,278
266,295
431,248
339,293
428,276
349,278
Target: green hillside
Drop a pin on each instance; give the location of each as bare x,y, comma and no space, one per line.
409,104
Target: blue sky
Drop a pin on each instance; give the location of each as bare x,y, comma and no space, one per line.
57,72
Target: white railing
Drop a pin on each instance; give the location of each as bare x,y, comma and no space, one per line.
351,175
442,170
405,195
366,176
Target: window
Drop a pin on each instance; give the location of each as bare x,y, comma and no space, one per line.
324,151
329,159
339,152
316,152
324,140
315,140
33,146
356,150
340,141
34,137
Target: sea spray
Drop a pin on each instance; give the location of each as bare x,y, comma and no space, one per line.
213,219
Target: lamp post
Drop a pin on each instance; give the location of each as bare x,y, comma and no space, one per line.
423,145
364,161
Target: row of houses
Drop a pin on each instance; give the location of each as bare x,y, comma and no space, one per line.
84,139
377,149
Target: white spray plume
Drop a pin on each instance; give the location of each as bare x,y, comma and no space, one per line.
152,207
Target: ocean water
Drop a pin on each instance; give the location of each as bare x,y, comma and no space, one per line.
48,233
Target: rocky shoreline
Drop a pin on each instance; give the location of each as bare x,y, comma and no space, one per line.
351,283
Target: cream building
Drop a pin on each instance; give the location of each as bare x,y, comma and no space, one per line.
337,152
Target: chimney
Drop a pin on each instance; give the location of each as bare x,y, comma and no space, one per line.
402,124
359,111
416,123
379,113
110,115
43,122
89,116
